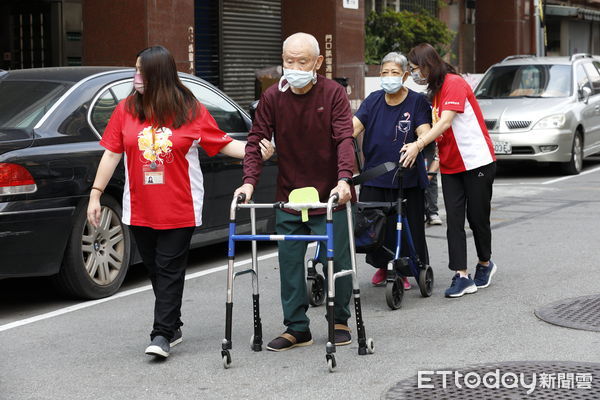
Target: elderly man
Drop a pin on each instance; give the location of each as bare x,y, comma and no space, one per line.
311,119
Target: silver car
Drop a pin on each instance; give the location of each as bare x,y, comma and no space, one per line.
545,109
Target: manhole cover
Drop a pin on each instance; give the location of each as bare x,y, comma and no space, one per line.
578,313
503,381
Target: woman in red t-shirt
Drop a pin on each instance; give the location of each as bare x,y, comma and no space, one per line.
467,165
159,128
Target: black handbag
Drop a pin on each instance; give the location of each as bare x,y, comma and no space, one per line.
369,229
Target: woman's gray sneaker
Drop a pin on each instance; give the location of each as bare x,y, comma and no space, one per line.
159,347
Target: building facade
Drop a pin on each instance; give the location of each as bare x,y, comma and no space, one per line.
223,41
488,31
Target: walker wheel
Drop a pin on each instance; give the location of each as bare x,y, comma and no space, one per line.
315,288
370,346
331,364
394,292
426,281
226,359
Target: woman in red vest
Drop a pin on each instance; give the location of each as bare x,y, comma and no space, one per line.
467,165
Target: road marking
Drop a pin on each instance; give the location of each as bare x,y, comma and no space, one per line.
120,295
569,177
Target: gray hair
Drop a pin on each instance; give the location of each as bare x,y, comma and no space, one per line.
306,37
397,58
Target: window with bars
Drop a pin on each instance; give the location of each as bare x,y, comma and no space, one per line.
419,5
400,5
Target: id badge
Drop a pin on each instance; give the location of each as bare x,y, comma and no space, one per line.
154,176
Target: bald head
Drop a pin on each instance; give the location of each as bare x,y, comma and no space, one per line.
301,42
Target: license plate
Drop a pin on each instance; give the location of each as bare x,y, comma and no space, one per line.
502,147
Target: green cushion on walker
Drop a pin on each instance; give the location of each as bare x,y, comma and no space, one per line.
304,195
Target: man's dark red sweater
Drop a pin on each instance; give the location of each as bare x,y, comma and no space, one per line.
313,137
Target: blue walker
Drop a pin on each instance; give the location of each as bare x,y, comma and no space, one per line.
398,266
365,346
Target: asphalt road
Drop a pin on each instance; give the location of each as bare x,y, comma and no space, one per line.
546,231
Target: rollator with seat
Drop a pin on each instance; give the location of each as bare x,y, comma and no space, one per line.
299,201
369,235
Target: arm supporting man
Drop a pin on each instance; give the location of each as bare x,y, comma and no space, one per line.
262,129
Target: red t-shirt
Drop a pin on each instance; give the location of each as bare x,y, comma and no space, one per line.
466,145
176,203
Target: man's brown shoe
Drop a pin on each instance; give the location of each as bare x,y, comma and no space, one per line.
342,335
290,339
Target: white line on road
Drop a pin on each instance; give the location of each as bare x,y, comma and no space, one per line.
119,295
571,176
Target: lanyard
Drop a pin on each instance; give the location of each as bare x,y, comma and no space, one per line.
153,163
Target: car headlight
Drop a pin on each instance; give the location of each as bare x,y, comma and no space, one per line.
552,122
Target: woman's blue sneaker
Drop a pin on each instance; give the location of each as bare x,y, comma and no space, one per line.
461,286
483,275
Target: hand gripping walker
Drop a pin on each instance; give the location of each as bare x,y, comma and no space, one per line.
365,346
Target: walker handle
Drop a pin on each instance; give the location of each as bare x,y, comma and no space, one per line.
241,197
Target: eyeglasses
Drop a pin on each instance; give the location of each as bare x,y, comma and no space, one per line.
411,68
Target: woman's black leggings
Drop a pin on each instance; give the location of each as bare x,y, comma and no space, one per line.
468,192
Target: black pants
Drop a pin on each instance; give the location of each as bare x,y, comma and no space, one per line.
415,209
469,191
165,252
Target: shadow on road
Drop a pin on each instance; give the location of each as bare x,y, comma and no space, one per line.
532,169
20,297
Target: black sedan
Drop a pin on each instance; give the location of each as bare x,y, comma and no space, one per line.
51,121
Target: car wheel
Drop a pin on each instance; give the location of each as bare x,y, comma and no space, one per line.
574,166
96,259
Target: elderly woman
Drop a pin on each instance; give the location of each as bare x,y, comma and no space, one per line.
388,119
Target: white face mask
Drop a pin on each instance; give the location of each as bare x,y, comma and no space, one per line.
391,84
297,79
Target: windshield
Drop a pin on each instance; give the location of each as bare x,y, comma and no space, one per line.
23,103
525,81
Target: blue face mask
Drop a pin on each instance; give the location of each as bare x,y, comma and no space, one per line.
297,79
391,84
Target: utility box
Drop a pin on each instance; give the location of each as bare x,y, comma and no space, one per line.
339,26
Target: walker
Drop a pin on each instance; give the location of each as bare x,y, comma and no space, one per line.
398,266
365,346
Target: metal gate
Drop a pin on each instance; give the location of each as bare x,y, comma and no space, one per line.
207,40
251,39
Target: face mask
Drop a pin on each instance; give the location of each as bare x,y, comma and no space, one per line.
138,83
297,79
391,84
419,80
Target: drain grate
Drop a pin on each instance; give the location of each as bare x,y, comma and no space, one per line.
554,380
577,313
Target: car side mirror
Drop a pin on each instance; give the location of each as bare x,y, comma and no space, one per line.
252,109
585,93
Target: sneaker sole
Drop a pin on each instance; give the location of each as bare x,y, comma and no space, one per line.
156,351
489,280
292,346
467,290
379,284
176,342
